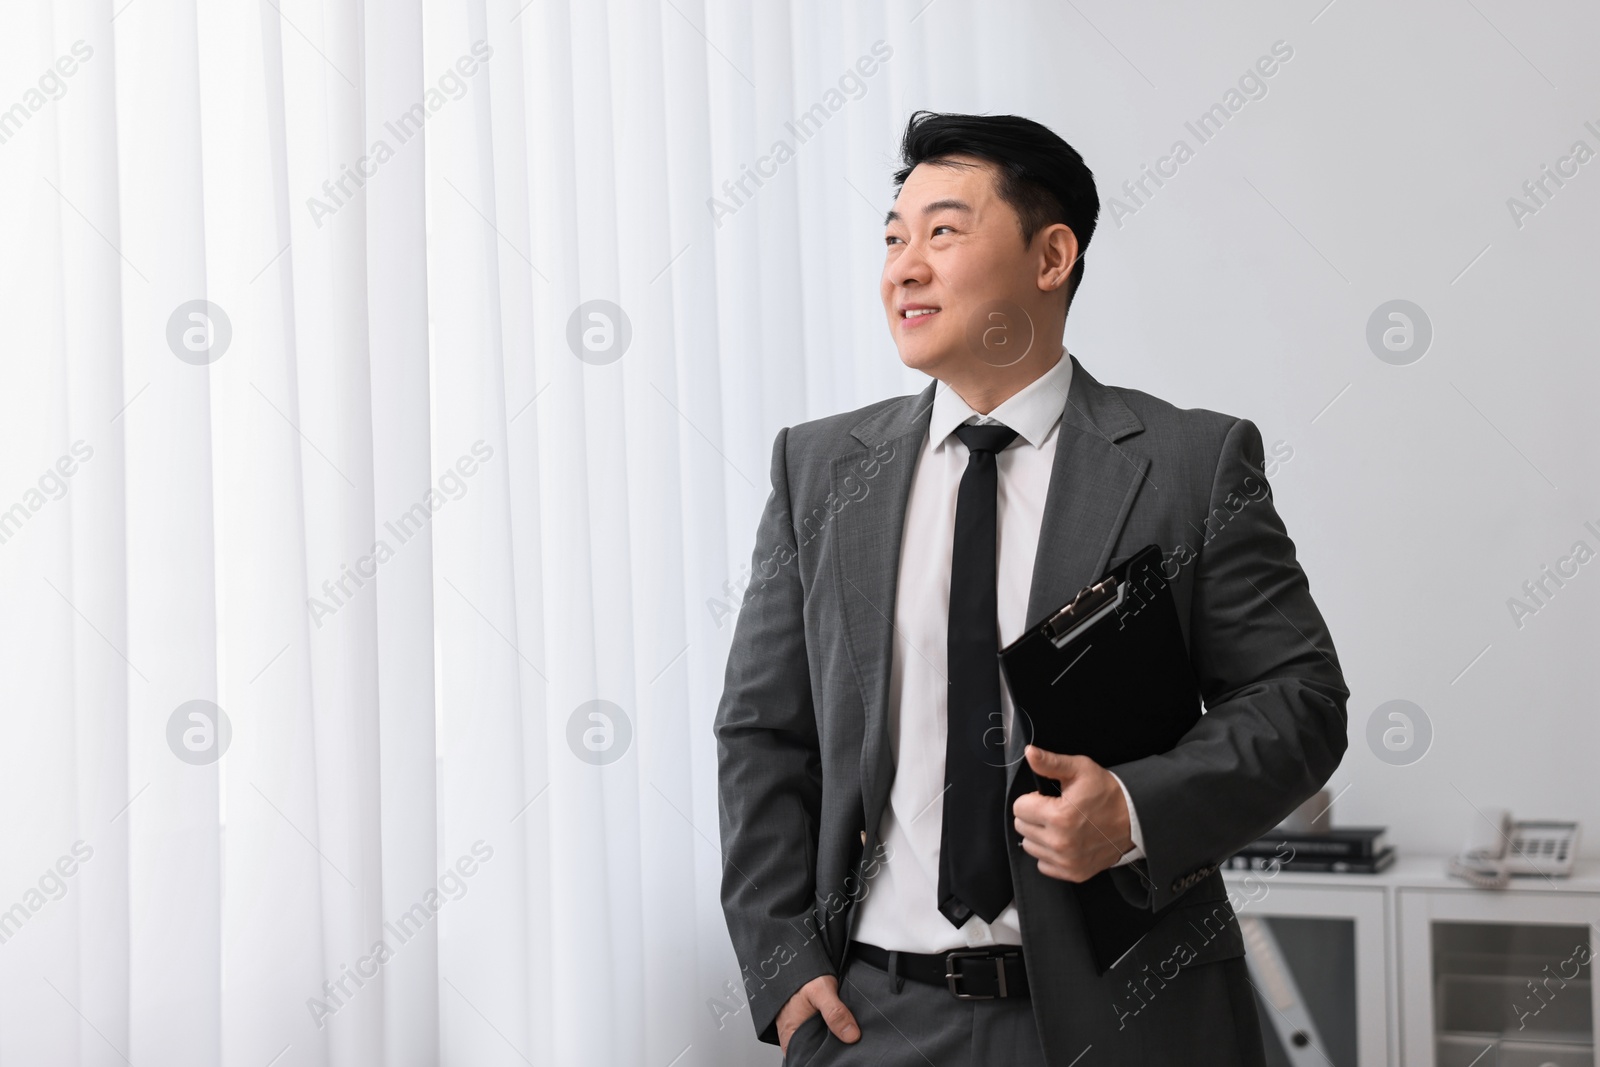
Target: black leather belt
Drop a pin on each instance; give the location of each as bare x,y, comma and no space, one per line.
968,973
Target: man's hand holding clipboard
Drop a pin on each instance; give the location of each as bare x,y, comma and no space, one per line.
1081,832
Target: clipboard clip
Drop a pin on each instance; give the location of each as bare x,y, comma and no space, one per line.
1091,604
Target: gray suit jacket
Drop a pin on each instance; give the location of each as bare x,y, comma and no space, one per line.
804,760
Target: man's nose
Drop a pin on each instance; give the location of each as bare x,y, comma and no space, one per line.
911,267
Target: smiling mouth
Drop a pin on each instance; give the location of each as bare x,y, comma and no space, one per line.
915,315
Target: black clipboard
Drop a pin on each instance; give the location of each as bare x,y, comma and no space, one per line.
1107,676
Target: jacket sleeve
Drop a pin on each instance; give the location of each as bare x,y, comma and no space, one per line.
1275,723
769,774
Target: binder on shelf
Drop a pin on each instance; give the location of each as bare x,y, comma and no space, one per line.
1344,843
1318,865
1301,1042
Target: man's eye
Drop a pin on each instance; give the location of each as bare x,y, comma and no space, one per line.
936,229
890,239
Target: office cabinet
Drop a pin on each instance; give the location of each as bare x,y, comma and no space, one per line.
1508,977
1333,942
1411,967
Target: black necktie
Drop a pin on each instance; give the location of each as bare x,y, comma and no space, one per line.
974,874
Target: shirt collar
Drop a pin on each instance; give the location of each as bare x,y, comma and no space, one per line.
1033,411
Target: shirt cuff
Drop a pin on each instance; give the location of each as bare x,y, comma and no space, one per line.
1137,852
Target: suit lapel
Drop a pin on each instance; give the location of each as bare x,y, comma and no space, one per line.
1092,485
1093,482
867,565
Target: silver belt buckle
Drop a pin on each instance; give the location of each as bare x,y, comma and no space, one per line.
952,973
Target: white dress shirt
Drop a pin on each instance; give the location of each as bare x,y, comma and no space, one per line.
901,910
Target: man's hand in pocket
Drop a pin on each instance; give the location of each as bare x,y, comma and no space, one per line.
821,994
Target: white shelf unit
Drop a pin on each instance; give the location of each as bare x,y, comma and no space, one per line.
1439,966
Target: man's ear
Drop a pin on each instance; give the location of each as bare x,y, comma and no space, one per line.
1058,255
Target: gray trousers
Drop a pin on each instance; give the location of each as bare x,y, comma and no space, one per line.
921,1025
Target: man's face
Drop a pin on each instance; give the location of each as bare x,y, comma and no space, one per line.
953,254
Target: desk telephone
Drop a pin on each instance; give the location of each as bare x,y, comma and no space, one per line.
1497,848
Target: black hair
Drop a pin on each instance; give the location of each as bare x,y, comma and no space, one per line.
1042,177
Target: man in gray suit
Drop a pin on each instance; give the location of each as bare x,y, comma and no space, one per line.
895,892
